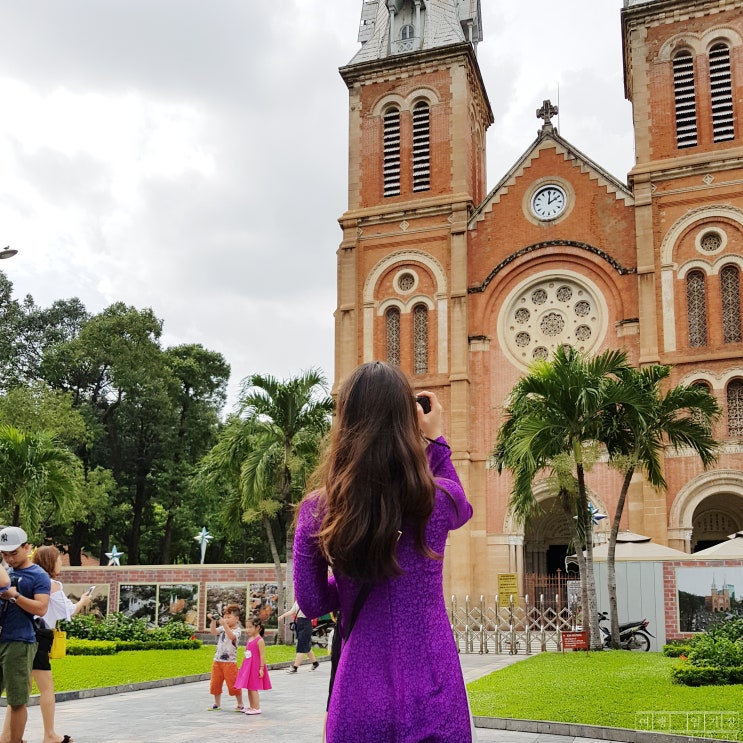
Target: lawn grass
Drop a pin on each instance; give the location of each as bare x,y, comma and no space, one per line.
75,672
606,688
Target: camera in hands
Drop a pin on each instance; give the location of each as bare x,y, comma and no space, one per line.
425,403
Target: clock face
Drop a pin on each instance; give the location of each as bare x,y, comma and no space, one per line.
548,202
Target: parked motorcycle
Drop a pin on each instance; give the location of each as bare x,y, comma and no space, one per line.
632,635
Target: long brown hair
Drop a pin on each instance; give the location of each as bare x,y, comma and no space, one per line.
374,476
46,557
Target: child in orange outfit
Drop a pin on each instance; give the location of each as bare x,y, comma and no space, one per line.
253,674
224,667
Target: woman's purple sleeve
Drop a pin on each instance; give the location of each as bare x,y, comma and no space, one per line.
439,459
314,590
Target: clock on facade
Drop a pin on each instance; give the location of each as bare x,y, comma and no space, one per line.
549,201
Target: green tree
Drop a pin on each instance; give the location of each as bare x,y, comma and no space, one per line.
636,437
556,412
265,454
35,472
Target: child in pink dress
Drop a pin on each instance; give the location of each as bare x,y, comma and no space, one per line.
253,674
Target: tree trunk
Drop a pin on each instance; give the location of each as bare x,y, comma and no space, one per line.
594,637
611,559
289,560
75,545
277,567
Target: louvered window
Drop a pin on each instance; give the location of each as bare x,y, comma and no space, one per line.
730,293
721,91
392,152
421,147
685,97
735,409
696,305
392,318
420,339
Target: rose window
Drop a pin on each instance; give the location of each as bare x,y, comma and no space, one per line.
406,282
552,323
546,314
564,293
539,296
710,242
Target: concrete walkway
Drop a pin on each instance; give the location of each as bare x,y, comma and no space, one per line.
293,711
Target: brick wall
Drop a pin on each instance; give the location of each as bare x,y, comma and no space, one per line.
109,578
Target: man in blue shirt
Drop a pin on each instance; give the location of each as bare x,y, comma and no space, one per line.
24,589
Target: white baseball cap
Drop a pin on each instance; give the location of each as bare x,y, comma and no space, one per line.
11,538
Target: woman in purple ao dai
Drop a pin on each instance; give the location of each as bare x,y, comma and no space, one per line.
388,498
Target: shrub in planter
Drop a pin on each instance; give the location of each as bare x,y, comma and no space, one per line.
676,649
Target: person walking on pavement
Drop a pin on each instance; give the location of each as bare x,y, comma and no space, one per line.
303,631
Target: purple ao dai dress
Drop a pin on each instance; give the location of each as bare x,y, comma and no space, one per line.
399,678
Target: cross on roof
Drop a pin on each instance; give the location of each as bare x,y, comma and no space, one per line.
546,113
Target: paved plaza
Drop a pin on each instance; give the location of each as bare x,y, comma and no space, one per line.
292,711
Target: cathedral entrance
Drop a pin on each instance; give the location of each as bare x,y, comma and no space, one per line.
548,544
714,519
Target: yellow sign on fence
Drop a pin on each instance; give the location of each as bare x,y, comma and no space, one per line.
508,586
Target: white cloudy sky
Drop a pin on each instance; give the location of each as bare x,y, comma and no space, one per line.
190,155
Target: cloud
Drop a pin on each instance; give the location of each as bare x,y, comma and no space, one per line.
192,156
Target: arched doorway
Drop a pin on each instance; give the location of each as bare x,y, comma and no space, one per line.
706,510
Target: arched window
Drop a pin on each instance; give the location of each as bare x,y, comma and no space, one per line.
721,93
685,98
420,339
407,32
696,415
392,319
730,297
696,305
392,152
421,146
735,408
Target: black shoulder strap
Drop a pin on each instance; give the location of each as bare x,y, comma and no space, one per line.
335,649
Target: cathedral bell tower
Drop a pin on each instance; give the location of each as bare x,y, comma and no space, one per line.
418,113
683,66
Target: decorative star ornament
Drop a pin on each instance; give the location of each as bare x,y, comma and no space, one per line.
593,512
113,556
203,538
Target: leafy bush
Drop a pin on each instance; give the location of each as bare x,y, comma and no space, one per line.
117,626
676,649
714,657
719,650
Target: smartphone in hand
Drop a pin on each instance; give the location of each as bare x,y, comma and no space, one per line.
89,592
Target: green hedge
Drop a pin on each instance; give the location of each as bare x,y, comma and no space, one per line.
111,647
714,657
690,675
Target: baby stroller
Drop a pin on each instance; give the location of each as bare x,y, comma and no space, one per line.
322,630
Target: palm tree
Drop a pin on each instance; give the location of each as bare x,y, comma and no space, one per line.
636,437
36,474
553,413
267,452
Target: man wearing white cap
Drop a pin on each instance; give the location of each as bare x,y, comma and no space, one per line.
25,594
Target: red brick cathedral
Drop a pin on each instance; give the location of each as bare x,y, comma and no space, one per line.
464,287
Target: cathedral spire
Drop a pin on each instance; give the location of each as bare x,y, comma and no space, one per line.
392,27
